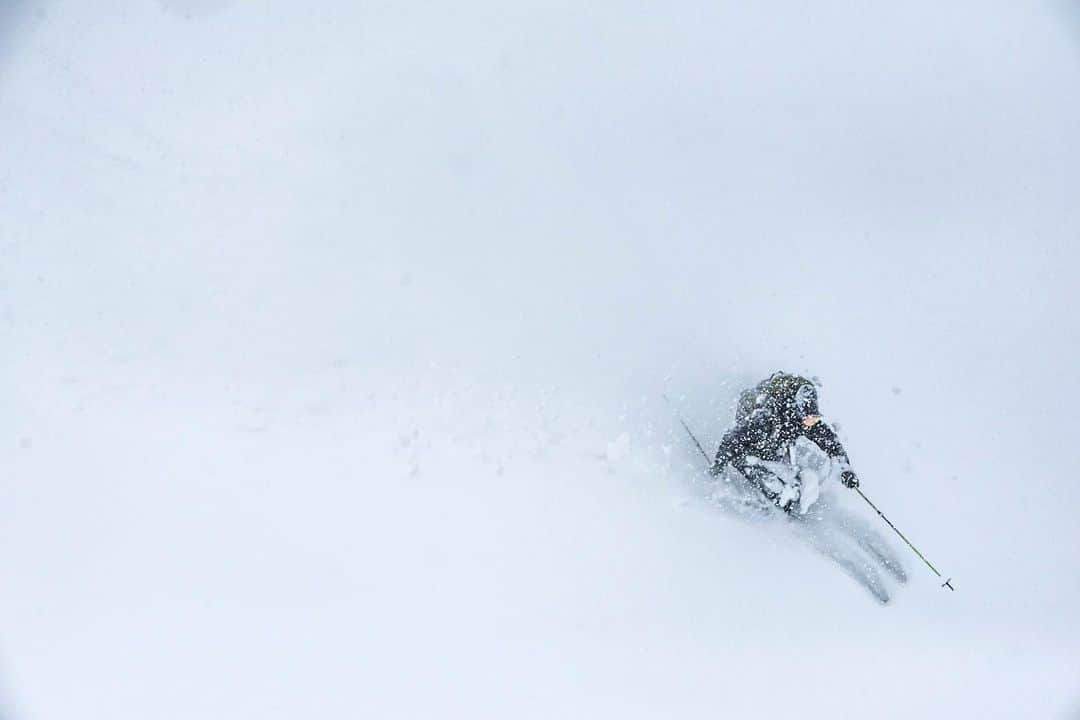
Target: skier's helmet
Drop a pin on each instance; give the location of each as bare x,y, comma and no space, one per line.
791,396
784,395
805,402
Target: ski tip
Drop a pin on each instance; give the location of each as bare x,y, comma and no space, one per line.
948,584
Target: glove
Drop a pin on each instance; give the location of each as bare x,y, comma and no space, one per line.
849,479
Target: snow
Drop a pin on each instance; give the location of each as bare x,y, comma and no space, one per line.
335,339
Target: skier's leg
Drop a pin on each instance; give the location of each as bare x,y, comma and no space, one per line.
758,478
733,492
777,482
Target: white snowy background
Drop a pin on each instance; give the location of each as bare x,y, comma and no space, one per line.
332,337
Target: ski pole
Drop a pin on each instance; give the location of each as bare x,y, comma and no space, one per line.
687,429
947,582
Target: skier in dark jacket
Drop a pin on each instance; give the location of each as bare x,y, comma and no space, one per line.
769,419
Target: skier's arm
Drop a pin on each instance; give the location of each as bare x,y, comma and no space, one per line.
825,438
733,446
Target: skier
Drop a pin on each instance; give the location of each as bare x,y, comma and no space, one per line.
774,421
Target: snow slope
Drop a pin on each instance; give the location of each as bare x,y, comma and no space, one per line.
334,340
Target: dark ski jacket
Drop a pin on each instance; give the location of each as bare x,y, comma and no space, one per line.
767,435
768,421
